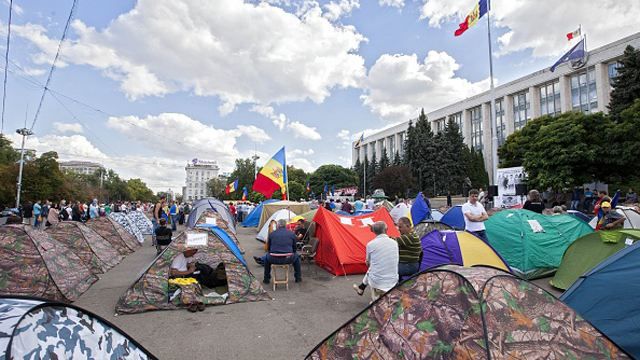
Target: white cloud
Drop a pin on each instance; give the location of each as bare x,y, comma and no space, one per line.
62,128
299,152
281,121
344,135
303,131
300,159
398,86
393,3
254,133
337,9
238,51
604,21
75,147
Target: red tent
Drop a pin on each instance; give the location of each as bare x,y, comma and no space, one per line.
343,239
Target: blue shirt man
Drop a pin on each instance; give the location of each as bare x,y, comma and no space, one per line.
281,249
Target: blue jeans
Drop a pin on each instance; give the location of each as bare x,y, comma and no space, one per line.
574,204
408,269
295,260
480,234
174,222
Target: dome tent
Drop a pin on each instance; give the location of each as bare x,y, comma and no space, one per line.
126,222
253,219
32,328
280,214
119,238
211,204
455,312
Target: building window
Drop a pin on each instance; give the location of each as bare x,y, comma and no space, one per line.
550,98
391,149
521,109
457,118
439,125
583,91
613,71
476,128
500,125
401,143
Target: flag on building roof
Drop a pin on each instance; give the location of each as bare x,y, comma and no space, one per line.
478,11
420,209
574,34
575,53
273,176
359,142
231,187
244,193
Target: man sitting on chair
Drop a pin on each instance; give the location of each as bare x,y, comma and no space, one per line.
281,249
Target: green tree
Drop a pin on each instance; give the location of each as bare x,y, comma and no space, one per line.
626,86
42,178
244,171
409,146
395,180
8,155
372,171
332,175
8,171
297,175
216,187
475,170
138,190
384,160
451,171
397,160
296,191
425,162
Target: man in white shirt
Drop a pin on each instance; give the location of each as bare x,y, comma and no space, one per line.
370,203
180,266
382,260
475,216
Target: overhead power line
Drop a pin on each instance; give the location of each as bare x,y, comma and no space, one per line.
6,66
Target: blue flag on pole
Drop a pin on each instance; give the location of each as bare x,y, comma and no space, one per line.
576,52
420,209
333,189
324,191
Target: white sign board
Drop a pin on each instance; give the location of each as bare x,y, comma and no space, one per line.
508,201
346,221
508,178
211,221
367,221
196,239
628,242
535,226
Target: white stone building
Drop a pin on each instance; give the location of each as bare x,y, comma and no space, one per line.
80,167
543,92
198,173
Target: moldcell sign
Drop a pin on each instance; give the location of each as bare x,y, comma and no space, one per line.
203,162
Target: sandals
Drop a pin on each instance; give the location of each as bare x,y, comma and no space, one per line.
358,289
196,307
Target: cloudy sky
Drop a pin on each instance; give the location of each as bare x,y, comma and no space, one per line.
144,86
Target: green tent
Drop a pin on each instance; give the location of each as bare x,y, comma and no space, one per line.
532,243
588,251
309,214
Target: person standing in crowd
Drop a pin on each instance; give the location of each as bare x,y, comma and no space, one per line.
588,199
181,214
76,212
409,248
94,211
482,198
173,213
347,207
449,199
475,216
382,260
358,205
370,203
158,212
37,214
27,213
107,209
575,198
602,197
631,197
233,210
45,212
64,214
534,203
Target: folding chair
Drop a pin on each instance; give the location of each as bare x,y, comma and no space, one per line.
308,252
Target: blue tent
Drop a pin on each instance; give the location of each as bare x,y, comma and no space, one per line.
227,240
607,296
210,203
253,219
454,218
580,215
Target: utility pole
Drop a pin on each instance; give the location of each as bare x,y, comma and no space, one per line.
24,132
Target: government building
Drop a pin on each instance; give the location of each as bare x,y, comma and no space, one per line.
586,89
199,172
80,167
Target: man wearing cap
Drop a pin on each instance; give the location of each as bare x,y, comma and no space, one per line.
611,219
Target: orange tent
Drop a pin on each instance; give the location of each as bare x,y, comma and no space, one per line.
344,239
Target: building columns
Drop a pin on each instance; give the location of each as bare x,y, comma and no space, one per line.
534,96
565,93
509,124
487,144
466,127
602,86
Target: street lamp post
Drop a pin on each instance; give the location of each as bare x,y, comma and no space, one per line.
24,132
255,158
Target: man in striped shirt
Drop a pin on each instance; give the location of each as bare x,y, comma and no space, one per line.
409,248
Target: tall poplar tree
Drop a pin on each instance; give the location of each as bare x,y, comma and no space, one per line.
626,86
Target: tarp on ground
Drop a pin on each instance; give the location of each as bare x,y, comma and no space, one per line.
458,248
271,208
280,214
212,204
590,250
476,313
454,218
119,238
94,250
34,264
32,328
141,220
122,219
607,296
631,216
151,290
532,243
253,219
343,240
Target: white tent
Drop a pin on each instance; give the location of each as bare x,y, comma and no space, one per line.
632,218
280,214
400,210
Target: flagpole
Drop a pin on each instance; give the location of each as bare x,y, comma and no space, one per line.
494,128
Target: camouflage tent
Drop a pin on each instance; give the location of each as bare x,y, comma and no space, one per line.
119,238
96,252
454,312
211,204
151,290
141,221
34,264
33,328
122,219
213,216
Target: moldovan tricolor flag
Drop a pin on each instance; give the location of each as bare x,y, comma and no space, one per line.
231,187
478,11
273,176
